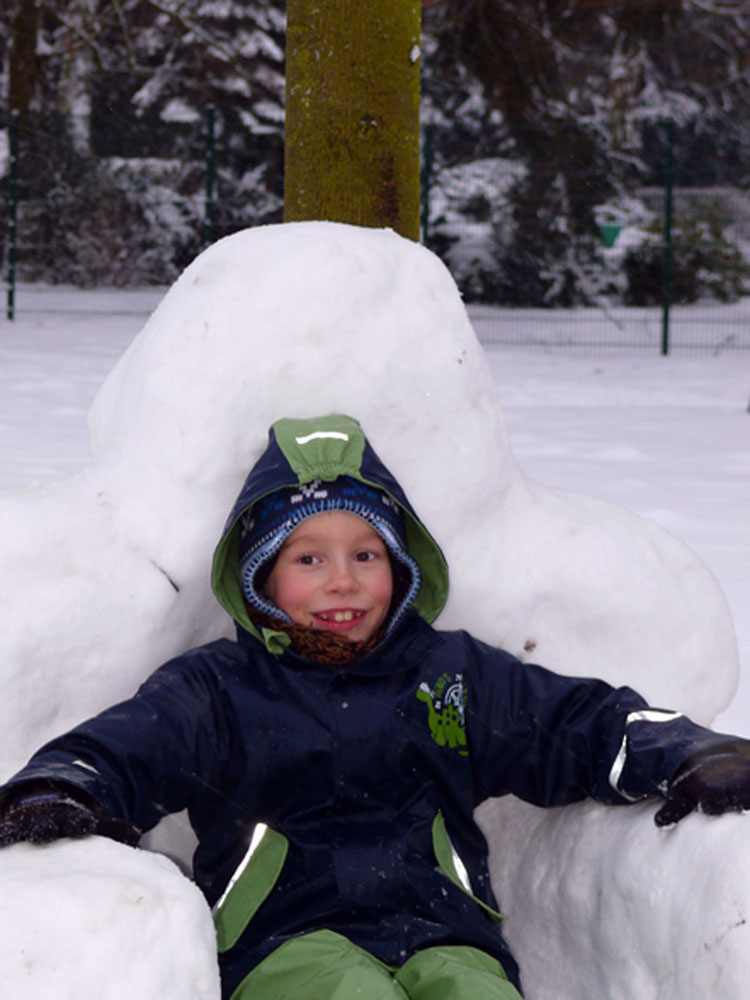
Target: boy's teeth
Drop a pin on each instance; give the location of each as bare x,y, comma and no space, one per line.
339,616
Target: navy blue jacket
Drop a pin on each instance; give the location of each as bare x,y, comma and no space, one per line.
365,776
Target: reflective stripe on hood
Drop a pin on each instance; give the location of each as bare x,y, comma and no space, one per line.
298,452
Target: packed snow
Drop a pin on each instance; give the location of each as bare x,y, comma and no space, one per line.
105,557
94,918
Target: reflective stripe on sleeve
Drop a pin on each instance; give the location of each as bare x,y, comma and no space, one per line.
618,765
85,765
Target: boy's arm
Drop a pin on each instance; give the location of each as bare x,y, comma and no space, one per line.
552,739
130,765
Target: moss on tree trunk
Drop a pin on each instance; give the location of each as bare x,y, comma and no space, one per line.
352,113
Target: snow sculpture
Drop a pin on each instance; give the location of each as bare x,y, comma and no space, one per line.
85,919
604,905
107,574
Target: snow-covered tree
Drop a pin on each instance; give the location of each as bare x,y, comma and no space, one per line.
584,90
135,79
173,60
570,95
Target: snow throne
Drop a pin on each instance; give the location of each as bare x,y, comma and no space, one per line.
309,318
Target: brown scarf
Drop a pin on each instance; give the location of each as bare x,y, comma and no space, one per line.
317,644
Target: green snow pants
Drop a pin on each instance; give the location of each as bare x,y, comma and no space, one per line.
324,965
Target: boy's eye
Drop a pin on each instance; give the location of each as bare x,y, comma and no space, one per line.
364,556
307,559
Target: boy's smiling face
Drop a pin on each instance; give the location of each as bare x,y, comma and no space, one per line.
333,573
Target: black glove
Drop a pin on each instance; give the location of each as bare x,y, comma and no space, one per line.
41,814
714,781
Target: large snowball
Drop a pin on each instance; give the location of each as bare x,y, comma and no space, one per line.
92,918
606,905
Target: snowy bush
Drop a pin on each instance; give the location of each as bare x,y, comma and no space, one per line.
706,262
89,219
77,221
87,231
470,212
506,238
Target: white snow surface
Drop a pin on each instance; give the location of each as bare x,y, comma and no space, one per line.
96,919
104,574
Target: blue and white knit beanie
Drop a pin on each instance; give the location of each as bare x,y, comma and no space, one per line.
268,523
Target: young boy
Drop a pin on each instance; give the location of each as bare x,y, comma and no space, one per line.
331,758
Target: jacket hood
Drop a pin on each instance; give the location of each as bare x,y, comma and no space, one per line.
298,452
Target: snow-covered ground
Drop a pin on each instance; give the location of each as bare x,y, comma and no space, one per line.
103,574
668,438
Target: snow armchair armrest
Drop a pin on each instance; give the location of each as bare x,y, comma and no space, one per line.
599,903
714,781
41,812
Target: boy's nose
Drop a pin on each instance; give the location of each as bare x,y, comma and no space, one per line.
341,578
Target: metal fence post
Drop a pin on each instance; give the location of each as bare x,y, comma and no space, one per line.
208,222
12,211
666,265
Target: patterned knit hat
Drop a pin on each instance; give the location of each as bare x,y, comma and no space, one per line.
269,522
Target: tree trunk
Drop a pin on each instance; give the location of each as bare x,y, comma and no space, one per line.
352,113
22,61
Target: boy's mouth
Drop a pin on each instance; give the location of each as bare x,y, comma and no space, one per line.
339,619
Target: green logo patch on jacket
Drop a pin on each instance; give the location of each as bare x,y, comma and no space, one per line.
445,704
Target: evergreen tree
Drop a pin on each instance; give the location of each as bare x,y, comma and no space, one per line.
138,78
575,91
584,89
